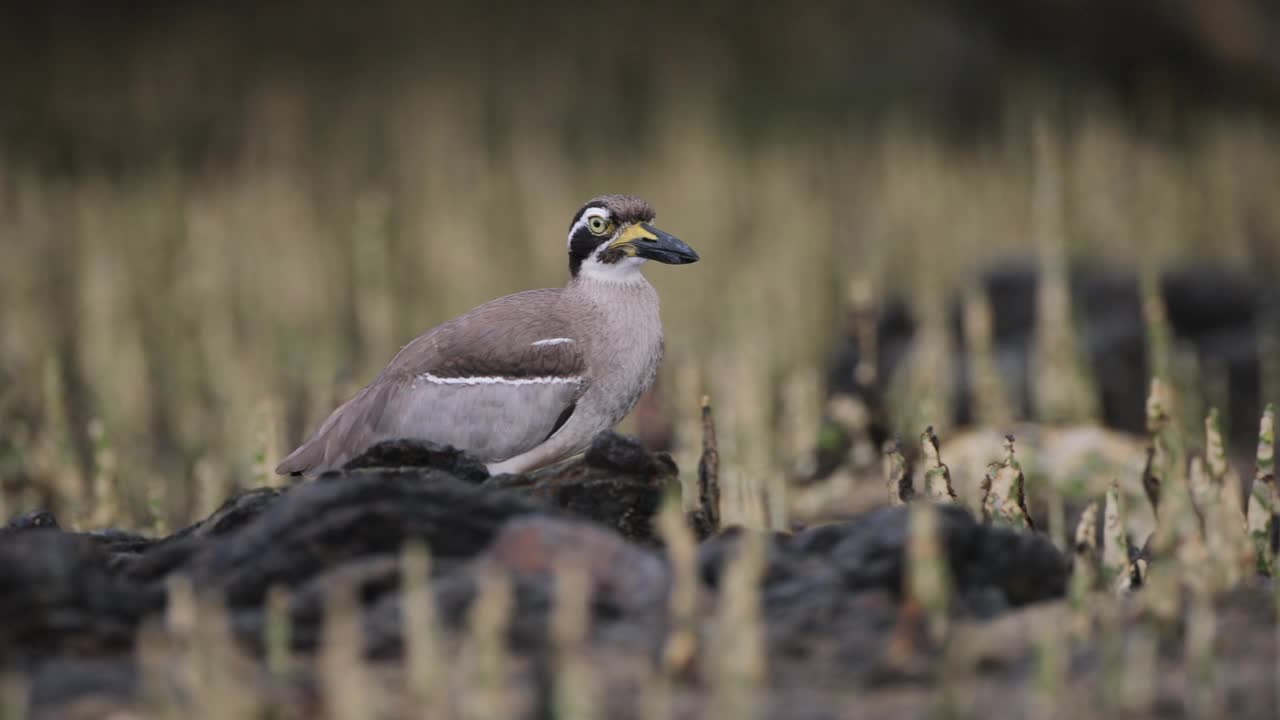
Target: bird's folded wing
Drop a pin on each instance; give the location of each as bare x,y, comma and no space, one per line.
496,382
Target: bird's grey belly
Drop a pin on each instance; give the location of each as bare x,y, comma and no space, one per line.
617,395
493,421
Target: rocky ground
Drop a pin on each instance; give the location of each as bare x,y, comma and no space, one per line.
839,636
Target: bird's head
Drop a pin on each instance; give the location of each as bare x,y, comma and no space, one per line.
613,235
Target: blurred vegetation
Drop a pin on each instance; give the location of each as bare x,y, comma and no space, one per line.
216,223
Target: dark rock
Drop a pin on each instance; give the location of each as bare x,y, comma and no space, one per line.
119,545
58,595
832,594
421,454
628,588
335,519
617,483
830,597
62,687
33,520
867,552
370,576
628,578
611,451
236,512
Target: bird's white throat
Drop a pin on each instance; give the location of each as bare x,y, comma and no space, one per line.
624,271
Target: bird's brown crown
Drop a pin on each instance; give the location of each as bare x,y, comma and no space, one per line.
623,208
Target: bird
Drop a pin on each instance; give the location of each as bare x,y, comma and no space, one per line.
528,379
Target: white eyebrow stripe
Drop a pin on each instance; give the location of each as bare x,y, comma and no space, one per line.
498,380
552,341
590,213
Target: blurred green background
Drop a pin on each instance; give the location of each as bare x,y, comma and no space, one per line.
217,222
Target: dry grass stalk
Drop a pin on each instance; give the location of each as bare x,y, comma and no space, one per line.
1226,528
847,418
1138,688
344,679
180,611
681,649
487,696
1200,485
737,656
221,686
1061,389
1151,481
848,424
278,634
157,493
708,512
1176,521
1176,516
755,495
923,390
1161,595
937,477
1003,498
267,446
1227,534
1156,320
1226,531
105,508
1215,450
64,480
202,655
577,695
1052,670
863,319
160,670
1262,498
777,500
928,583
15,691
426,668
1266,460
991,398
1115,539
1200,657
1198,573
801,404
688,383
1057,511
1275,596
656,697
1084,570
1086,541
210,488
897,481
1186,382
1111,643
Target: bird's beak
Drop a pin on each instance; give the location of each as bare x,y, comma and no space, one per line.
646,241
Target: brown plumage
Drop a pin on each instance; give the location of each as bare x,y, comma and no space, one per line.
529,378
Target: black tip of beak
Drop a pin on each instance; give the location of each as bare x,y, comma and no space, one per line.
665,248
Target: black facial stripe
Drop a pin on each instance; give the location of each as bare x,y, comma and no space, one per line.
612,255
581,245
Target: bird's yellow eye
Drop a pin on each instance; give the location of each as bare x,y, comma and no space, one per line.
597,225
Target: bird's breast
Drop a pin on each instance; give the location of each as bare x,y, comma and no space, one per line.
626,350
